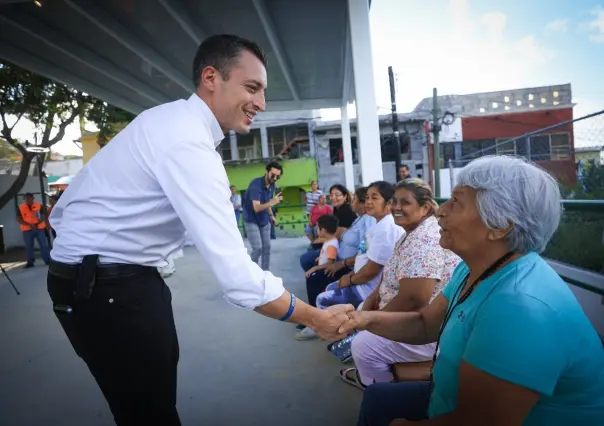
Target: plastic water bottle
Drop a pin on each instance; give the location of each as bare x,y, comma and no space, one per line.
343,348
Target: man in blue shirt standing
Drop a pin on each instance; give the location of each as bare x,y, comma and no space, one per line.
258,214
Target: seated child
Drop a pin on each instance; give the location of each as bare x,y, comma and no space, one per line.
327,226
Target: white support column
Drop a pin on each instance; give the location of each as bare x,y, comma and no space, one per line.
347,149
311,139
264,142
234,148
368,128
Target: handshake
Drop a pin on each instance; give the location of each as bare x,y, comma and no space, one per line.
338,321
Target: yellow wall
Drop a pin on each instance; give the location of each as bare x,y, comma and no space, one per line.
588,155
89,147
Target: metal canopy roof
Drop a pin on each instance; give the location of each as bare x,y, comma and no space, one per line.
136,54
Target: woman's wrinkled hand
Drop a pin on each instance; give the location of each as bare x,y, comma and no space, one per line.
328,322
357,320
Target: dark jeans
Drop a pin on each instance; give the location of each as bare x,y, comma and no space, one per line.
237,216
36,235
307,260
333,295
125,333
318,282
384,402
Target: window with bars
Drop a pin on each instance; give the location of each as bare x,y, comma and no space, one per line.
249,145
522,147
560,146
336,153
476,149
279,137
505,148
550,147
542,147
447,152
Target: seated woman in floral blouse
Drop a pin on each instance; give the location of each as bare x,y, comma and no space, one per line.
414,275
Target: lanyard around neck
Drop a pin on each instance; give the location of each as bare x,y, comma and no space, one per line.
458,299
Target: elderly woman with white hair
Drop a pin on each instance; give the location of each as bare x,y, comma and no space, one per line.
515,346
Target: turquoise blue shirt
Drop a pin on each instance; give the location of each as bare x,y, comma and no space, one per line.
525,326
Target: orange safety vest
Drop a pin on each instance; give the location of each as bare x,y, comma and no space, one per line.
31,215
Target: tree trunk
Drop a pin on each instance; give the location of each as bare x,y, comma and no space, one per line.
18,184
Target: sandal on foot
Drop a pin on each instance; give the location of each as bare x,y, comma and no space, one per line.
352,381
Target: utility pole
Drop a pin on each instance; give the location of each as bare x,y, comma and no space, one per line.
397,136
435,131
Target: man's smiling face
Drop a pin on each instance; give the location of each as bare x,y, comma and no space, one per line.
238,99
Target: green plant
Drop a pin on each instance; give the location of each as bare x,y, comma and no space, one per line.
50,107
579,240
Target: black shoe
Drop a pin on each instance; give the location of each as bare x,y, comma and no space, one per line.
29,265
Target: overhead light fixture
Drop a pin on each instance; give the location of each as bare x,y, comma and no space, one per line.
37,149
38,3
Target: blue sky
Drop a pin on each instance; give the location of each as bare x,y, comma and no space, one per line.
502,45
468,46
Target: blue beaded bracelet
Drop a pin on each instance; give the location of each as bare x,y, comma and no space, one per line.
290,311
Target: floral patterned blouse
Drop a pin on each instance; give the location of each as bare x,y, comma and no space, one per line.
418,254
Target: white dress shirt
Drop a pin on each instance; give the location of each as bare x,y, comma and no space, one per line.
134,199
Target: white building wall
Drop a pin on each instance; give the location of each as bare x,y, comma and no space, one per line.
63,167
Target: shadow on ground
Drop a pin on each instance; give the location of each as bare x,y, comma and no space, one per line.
236,367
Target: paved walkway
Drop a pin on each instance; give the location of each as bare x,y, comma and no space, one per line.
236,368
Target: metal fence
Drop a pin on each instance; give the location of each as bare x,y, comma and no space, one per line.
546,146
576,251
579,240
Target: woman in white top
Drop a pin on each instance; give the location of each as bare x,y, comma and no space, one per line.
374,252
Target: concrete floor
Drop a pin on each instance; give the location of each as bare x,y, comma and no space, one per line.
236,367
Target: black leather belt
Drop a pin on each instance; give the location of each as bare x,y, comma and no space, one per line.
103,270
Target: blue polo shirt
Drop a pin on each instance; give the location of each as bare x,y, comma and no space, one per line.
524,325
257,191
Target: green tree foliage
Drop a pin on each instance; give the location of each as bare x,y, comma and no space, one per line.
51,107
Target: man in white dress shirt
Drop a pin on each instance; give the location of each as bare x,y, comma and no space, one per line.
127,211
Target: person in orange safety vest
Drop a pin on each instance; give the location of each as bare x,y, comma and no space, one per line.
33,223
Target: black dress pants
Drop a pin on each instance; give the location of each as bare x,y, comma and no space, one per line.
125,333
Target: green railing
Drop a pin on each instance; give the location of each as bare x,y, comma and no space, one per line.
576,251
292,220
579,240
